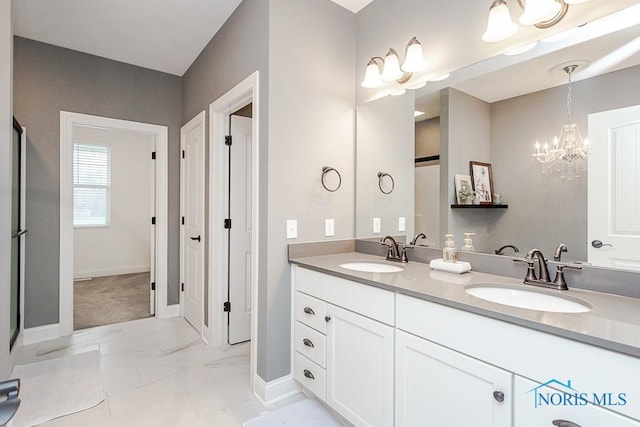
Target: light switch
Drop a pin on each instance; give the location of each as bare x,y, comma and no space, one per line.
328,227
292,229
376,225
401,224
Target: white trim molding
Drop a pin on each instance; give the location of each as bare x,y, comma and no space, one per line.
40,333
219,111
67,122
276,390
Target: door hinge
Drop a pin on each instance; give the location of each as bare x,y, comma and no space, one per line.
227,223
182,220
227,306
182,287
183,154
153,286
153,155
228,140
153,220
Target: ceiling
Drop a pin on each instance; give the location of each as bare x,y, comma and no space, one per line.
163,35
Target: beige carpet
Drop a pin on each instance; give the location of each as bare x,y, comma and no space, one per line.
110,299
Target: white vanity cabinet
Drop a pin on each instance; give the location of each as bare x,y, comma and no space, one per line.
563,413
344,345
436,386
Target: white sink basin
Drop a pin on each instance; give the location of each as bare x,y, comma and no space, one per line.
371,267
532,300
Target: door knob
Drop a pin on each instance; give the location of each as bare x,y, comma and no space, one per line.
196,238
499,396
598,244
19,233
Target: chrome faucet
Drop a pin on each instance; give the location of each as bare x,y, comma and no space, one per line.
416,237
558,253
396,251
501,250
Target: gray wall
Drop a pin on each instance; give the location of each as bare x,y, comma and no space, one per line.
5,181
515,126
466,135
243,42
385,143
428,138
312,48
48,79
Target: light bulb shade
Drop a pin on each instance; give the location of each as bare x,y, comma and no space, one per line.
499,25
372,76
391,70
536,11
414,58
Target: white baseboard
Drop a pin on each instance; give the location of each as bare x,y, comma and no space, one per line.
276,390
169,311
41,333
131,269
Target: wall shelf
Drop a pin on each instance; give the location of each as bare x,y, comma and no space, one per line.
479,206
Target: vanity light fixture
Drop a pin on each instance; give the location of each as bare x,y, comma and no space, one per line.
570,151
391,68
541,13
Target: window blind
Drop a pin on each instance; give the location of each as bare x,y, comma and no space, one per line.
91,184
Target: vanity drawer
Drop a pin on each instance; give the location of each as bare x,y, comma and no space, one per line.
311,311
310,375
311,343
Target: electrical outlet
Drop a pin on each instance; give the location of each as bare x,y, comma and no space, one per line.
329,227
292,229
376,225
401,224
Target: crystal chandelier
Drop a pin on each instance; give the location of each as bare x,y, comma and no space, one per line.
569,152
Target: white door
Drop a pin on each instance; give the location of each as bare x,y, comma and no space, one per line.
359,368
240,252
436,386
192,139
614,188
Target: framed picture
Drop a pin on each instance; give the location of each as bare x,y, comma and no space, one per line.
464,189
482,179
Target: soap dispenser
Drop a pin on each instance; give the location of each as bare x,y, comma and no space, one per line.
467,244
449,253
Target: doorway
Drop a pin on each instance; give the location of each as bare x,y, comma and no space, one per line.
246,92
70,123
113,172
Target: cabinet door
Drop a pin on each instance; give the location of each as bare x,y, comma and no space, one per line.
527,413
436,386
359,368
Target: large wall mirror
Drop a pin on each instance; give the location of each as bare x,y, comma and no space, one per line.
494,112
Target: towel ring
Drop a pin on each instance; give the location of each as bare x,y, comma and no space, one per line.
325,171
382,175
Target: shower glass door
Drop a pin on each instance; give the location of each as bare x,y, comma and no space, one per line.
16,231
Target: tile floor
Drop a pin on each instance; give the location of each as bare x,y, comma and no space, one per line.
157,372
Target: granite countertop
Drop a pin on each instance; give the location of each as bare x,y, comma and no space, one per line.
613,322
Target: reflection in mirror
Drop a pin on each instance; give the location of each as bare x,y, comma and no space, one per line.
497,118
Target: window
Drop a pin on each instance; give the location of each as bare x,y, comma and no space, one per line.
91,184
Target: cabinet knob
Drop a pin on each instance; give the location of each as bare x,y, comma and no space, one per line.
564,423
308,374
327,318
309,311
308,343
499,396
